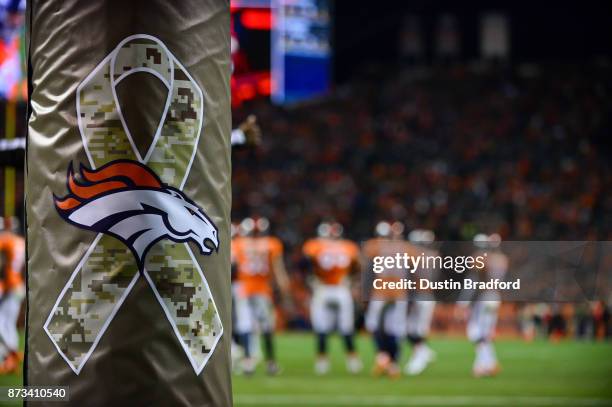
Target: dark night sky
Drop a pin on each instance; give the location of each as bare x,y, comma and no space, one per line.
367,31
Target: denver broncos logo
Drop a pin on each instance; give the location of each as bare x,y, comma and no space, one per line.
127,200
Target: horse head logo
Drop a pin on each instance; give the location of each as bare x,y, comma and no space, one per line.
127,200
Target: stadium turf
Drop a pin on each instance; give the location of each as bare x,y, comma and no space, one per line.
567,373
535,374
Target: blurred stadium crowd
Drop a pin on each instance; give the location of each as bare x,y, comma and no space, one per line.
455,149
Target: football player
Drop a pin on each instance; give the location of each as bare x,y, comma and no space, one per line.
421,305
259,259
484,308
332,260
12,293
247,135
237,352
385,317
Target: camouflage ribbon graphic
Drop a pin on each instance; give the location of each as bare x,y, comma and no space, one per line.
108,271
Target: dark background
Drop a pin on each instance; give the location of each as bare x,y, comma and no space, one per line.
367,32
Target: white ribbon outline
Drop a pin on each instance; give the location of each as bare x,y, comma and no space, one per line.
173,60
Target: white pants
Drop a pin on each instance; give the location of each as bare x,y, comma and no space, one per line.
254,313
389,316
483,319
420,314
10,305
332,307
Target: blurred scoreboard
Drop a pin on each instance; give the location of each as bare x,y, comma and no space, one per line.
301,51
280,48
251,23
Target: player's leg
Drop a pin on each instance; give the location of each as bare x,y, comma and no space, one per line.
481,328
245,324
322,321
373,324
346,326
394,329
392,347
237,352
266,320
10,305
419,319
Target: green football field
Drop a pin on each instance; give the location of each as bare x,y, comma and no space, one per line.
534,374
567,373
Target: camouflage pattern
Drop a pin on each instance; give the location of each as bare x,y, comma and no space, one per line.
178,281
93,296
104,277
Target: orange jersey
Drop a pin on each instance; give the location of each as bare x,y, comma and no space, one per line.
496,263
12,248
332,259
254,258
385,247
